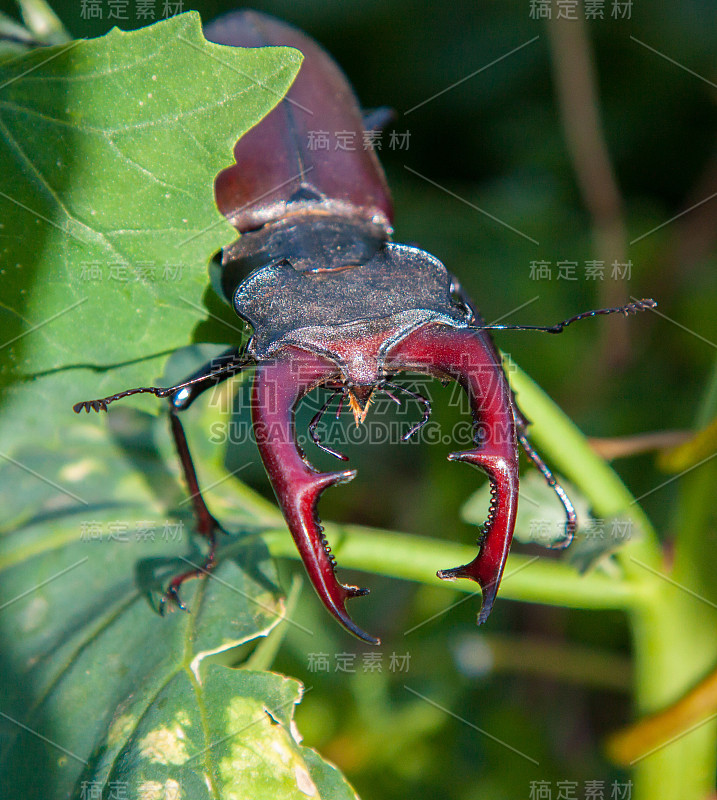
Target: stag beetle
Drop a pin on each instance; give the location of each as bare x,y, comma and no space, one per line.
333,302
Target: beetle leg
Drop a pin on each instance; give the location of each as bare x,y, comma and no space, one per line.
215,371
207,525
340,407
470,359
390,393
421,399
571,521
315,421
279,384
183,394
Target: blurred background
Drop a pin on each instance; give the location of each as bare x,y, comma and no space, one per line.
532,158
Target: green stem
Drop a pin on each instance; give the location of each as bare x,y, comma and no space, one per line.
564,445
676,641
674,632
528,579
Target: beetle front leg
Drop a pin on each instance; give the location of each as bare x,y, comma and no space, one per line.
207,525
468,357
278,386
214,372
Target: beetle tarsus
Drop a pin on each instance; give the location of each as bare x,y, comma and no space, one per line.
90,405
102,403
171,598
172,593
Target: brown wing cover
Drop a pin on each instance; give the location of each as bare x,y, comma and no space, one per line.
279,169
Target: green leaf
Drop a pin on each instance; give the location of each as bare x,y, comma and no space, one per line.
108,151
230,735
79,584
102,691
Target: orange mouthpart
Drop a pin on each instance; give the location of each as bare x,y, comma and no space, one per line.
360,398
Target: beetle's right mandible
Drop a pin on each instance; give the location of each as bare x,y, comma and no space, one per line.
469,357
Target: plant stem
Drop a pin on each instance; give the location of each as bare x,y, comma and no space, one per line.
674,631
529,579
565,446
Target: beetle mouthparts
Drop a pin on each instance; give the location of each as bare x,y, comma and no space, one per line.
360,398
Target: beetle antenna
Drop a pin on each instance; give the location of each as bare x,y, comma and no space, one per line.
315,421
421,399
626,310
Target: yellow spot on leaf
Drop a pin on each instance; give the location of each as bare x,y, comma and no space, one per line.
165,746
150,790
120,729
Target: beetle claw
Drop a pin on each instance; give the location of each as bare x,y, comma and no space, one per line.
472,361
487,567
172,597
278,387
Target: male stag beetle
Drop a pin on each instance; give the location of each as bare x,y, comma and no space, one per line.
335,303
